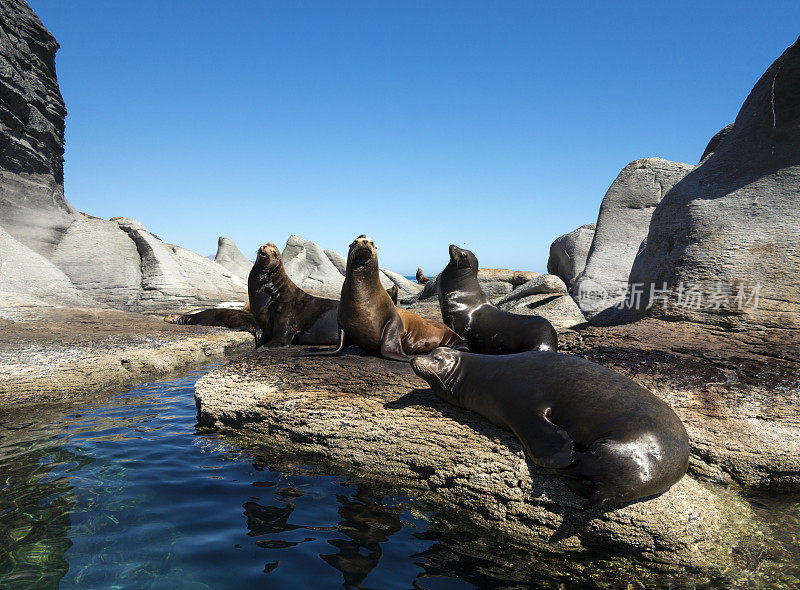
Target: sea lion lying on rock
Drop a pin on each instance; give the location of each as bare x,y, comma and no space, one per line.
235,319
487,330
286,313
368,317
611,439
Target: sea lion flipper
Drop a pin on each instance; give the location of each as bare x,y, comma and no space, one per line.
391,340
547,444
339,349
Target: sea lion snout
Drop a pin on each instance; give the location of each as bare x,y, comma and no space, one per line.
437,366
362,249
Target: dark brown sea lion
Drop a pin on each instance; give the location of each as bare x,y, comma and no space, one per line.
486,329
393,292
235,319
421,278
367,317
610,438
285,312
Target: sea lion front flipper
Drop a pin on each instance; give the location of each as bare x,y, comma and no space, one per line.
338,350
391,340
546,444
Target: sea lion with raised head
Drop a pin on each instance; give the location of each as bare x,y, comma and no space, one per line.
487,330
284,311
368,317
611,439
421,278
235,319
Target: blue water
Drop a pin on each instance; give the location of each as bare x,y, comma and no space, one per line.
128,493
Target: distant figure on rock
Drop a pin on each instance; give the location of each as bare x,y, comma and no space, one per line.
421,278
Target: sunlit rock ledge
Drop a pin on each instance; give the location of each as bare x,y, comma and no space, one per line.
60,354
380,418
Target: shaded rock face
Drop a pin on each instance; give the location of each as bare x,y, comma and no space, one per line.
32,205
621,227
569,252
310,268
400,431
730,227
229,256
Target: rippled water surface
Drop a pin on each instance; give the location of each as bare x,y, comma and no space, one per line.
128,493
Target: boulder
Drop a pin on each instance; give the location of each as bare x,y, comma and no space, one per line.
714,141
559,310
377,418
339,261
310,268
406,287
536,286
722,246
621,227
569,252
28,279
229,256
495,282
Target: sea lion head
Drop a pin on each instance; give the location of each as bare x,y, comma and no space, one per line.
363,254
439,369
463,259
269,256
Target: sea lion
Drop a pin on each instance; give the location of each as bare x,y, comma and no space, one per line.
486,329
285,312
610,438
235,319
421,278
367,317
394,292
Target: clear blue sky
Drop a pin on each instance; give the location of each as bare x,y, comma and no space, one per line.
497,125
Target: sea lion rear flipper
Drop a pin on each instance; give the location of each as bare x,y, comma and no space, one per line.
391,340
546,444
338,350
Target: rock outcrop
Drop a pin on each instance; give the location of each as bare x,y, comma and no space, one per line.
546,296
569,252
229,256
378,417
310,268
116,263
723,243
621,227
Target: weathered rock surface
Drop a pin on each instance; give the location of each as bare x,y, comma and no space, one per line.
32,205
621,226
732,222
406,287
536,286
377,416
53,355
714,141
569,252
28,279
495,282
738,393
310,268
559,310
229,256
339,261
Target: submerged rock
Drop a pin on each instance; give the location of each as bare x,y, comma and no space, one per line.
378,417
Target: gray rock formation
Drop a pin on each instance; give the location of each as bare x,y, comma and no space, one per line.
32,205
229,256
28,279
536,286
495,282
310,268
714,141
339,261
569,252
729,230
406,287
559,310
399,431
621,226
